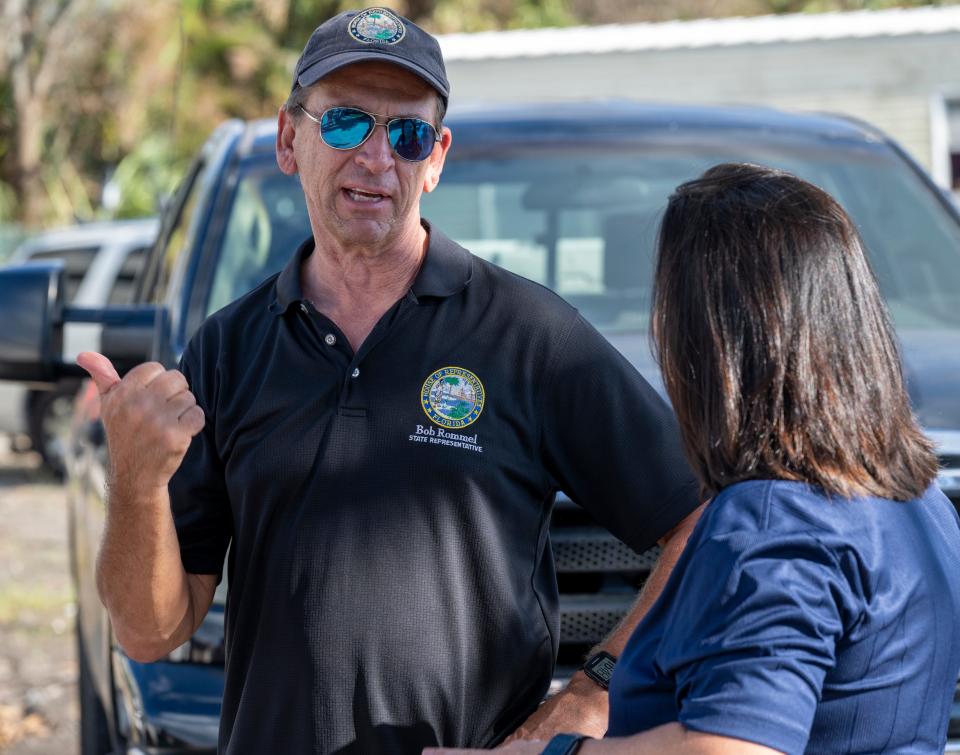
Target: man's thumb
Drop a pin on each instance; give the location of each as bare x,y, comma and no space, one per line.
101,370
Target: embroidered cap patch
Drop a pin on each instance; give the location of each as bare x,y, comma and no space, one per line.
377,26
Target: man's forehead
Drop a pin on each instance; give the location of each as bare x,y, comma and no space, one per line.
381,79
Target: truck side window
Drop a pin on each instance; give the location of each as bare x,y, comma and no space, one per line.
176,239
122,291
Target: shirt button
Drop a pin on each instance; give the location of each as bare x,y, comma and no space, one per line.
303,308
330,339
355,373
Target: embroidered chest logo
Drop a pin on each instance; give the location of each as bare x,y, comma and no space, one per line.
376,26
452,397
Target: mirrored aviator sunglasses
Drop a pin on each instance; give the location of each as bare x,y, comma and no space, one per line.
347,128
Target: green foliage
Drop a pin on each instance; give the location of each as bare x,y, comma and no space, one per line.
531,14
8,203
146,176
304,16
10,237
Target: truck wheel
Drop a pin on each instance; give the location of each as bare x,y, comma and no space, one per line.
94,732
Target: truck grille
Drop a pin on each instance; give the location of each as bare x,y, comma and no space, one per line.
590,618
598,577
593,549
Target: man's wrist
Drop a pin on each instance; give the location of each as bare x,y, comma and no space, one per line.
584,686
130,491
590,697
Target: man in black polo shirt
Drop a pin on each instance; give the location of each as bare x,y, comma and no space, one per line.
377,436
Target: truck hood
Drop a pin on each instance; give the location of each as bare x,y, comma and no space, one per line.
931,359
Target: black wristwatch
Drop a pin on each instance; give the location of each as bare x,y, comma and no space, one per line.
563,744
599,667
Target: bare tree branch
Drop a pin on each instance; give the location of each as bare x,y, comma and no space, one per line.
57,50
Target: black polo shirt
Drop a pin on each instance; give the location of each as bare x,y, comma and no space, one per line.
391,578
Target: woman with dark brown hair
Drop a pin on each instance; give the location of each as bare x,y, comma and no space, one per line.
817,604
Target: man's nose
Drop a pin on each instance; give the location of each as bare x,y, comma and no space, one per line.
375,153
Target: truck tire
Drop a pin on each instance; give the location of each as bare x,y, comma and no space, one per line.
94,730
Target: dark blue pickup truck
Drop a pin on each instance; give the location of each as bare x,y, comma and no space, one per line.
568,195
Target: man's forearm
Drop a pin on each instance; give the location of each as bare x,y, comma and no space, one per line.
140,576
150,417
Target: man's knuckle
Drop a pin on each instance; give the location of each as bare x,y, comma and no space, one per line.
171,436
197,418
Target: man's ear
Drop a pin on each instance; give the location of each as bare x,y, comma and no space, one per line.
436,160
286,131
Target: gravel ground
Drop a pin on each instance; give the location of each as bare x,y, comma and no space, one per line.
38,666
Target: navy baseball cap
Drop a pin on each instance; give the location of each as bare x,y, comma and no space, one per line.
371,34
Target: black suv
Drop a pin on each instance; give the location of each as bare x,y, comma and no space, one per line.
567,195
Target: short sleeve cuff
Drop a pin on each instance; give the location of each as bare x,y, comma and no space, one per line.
777,732
197,561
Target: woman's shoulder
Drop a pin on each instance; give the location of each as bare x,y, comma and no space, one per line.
781,505
793,514
756,516
772,506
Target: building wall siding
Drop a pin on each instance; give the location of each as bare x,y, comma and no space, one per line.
887,81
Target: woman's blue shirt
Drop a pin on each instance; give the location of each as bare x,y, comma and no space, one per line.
804,623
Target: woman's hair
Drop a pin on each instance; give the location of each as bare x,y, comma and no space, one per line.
775,345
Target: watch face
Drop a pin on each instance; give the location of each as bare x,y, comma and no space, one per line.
600,668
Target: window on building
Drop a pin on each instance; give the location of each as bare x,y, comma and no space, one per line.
953,121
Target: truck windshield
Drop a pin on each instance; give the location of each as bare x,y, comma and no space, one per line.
584,221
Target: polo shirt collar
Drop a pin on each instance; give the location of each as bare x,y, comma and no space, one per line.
447,270
288,289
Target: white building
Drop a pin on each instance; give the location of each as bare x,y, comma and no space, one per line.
898,69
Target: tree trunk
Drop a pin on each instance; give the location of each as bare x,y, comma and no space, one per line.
27,179
35,42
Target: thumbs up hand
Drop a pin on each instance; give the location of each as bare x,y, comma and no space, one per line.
150,417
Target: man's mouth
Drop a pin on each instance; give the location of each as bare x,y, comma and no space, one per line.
363,196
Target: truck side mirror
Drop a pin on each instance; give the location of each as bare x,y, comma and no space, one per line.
31,305
33,316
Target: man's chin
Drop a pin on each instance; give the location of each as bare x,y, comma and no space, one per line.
370,231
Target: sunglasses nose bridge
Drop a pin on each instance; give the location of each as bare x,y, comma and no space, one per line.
377,121
372,147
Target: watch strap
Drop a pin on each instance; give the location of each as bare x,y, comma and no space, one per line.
563,744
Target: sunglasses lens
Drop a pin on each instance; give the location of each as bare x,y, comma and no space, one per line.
412,138
344,127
